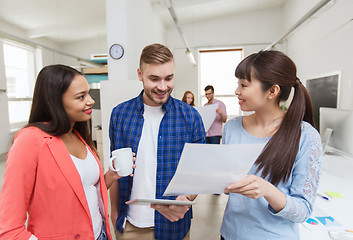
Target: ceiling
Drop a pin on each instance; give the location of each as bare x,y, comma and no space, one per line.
64,21
189,11
61,21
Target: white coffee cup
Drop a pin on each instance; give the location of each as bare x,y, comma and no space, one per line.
122,159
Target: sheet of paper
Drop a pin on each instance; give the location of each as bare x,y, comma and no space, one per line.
321,221
210,168
208,114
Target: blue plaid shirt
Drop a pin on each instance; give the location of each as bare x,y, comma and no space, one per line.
181,124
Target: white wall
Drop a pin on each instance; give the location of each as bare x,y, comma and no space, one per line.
133,25
324,44
82,49
252,31
186,75
321,45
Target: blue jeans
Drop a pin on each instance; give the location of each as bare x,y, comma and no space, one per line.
103,235
213,140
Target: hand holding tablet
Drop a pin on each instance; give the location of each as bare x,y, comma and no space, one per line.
173,210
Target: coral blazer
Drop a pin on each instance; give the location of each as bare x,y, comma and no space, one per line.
41,179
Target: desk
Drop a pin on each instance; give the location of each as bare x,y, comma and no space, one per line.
336,176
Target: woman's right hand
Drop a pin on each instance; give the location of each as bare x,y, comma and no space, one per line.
251,186
110,176
256,187
115,174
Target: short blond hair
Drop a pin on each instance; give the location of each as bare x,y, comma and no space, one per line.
155,54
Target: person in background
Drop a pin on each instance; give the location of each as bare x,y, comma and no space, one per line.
214,133
53,172
189,98
156,126
280,189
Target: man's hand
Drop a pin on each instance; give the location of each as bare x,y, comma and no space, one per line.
172,212
220,112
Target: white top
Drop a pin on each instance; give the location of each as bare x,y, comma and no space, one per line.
144,181
89,172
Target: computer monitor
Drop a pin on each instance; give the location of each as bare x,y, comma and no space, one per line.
336,129
325,138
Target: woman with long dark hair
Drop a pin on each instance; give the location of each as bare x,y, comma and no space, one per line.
53,172
280,188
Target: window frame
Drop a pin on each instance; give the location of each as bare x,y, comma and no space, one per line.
31,71
216,96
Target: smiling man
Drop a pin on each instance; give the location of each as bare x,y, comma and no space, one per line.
156,126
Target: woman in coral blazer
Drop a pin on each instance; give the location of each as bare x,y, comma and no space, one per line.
43,176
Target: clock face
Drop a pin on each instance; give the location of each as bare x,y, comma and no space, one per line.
116,51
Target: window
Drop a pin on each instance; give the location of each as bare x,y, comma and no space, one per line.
217,68
19,68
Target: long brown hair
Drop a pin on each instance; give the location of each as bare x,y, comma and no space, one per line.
275,68
185,96
47,112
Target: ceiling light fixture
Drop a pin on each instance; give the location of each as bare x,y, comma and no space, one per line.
190,57
188,53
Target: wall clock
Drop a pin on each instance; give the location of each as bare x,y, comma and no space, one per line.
116,51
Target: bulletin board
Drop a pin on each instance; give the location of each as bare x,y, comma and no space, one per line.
324,92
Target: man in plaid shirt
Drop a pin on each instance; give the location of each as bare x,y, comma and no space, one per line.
156,127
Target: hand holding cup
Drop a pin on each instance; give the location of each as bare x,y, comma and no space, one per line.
122,161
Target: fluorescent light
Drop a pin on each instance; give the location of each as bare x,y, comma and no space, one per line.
190,57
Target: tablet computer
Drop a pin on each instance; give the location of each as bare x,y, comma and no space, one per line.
142,201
